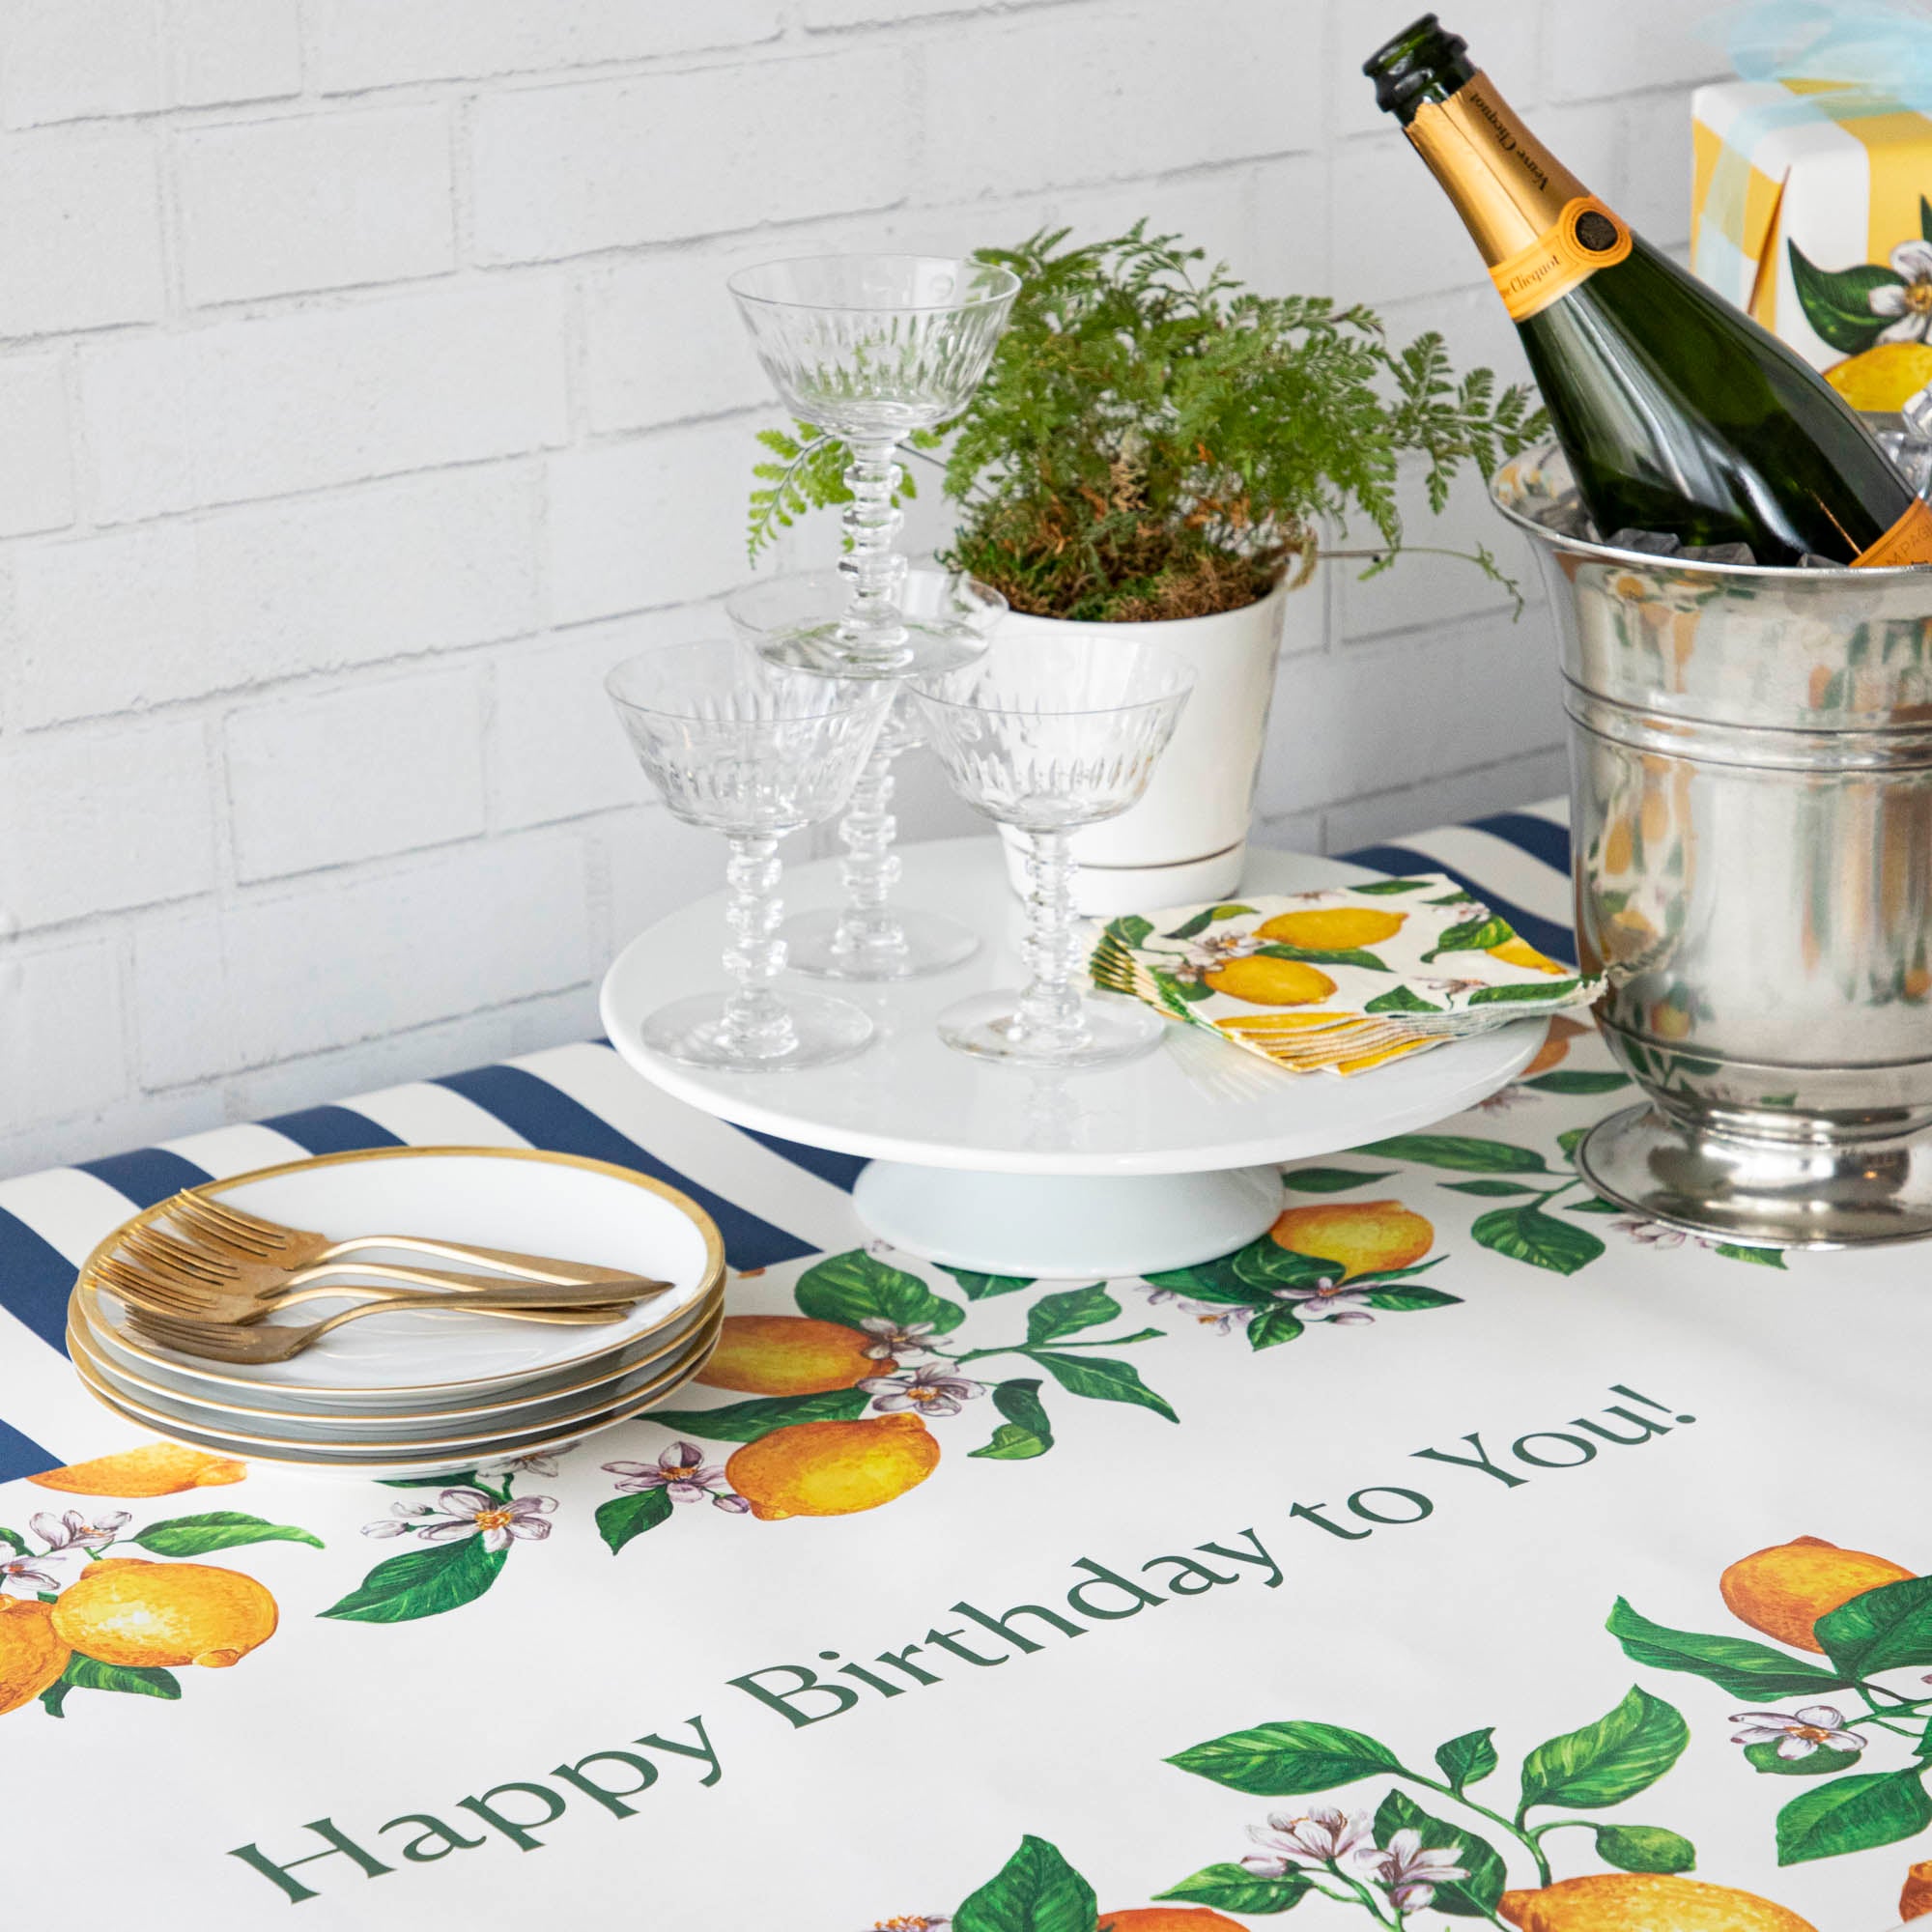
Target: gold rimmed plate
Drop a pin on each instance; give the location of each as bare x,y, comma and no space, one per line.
521,1197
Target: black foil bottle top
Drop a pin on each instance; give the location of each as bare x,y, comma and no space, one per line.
1424,62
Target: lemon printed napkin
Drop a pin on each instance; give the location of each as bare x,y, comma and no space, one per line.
1338,981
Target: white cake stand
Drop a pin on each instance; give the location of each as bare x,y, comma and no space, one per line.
1166,1162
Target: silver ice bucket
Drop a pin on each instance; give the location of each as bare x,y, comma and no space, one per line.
1750,757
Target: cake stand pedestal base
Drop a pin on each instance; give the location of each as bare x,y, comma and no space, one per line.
1047,1226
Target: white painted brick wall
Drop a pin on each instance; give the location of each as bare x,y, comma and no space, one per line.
368,387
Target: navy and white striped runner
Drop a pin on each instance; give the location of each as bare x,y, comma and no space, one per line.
570,1099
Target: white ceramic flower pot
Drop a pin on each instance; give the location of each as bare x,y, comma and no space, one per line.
1188,838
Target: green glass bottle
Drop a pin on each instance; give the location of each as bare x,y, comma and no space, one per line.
1678,413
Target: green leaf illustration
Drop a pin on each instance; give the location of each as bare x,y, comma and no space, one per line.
1103,1381
1287,1759
1179,994
1885,1629
1471,1898
1595,1205
84,1673
1235,1889
1208,1281
1329,1180
1769,1258
1382,886
850,1287
1466,1154
983,1287
1818,1763
1526,1234
1273,1325
1545,989
1567,1140
1579,1083
422,1583
1265,1266
1488,1187
13,1540
1407,1300
1645,1848
1026,1433
746,1421
1753,1672
1130,930
1201,920
1066,1313
1625,1752
1925,217
1853,1814
1316,956
222,1529
1837,303
1473,935
1401,1000
1037,1890
1467,1759
622,1518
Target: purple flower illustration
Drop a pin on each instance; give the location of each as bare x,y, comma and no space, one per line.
1908,301
891,1339
683,1474
28,1575
1409,1873
466,1511
1225,1318
72,1531
543,1464
1322,1836
913,1922
1797,1735
933,1390
1329,1301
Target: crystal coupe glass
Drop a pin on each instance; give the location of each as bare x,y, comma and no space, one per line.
1049,737
869,348
867,937
754,752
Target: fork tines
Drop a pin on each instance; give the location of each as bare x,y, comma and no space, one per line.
216,1221
187,1337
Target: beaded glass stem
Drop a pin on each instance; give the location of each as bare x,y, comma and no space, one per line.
869,348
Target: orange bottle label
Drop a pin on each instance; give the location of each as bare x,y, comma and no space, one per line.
1587,235
1908,541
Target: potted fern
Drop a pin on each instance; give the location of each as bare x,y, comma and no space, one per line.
1154,445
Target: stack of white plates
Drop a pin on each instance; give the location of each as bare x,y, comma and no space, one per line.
407,1394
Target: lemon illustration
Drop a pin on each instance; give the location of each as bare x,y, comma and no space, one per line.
1884,377
833,1468
1332,928
160,1470
32,1656
1270,982
1364,1236
1644,1902
1555,1049
1784,1590
129,1611
1169,1918
1915,1901
1519,952
789,1354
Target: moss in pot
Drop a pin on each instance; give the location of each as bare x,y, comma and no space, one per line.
1155,444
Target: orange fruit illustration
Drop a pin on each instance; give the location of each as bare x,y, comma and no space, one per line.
32,1656
160,1470
1784,1590
1169,1918
1364,1236
1332,928
1644,1902
789,1354
1555,1049
1270,982
127,1610
1619,844
1915,1901
833,1468
1882,377
1519,952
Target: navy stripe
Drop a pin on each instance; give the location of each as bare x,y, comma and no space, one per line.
548,1117
1546,935
332,1130
21,1456
1537,836
145,1175
843,1169
36,1280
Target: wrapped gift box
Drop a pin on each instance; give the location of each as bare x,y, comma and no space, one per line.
1809,209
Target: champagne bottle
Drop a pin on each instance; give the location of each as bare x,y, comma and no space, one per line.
1678,412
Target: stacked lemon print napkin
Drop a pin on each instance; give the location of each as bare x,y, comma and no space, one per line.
1338,981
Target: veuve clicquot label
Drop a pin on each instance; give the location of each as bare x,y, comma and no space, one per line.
1678,413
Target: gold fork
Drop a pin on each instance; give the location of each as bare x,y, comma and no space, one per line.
275,1342
231,1229
142,1287
161,1257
